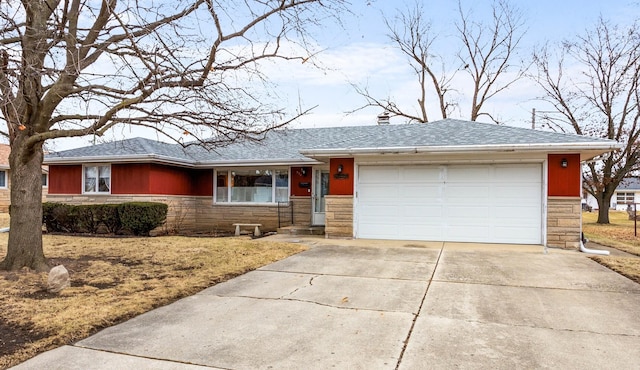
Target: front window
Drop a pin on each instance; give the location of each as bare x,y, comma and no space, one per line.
3,179
97,179
624,197
252,186
45,180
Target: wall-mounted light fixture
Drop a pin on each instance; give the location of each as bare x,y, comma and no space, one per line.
564,163
340,172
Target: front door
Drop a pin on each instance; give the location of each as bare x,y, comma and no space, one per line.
320,189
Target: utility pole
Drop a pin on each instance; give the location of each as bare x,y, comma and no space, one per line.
533,118
544,112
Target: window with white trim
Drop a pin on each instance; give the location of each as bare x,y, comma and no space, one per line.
97,179
3,179
45,180
254,185
624,197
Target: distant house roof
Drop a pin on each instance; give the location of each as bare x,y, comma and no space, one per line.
299,146
630,183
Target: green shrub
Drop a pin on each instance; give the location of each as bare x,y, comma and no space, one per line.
59,217
142,217
108,214
87,217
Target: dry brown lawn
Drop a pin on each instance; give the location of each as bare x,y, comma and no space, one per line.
619,234
113,279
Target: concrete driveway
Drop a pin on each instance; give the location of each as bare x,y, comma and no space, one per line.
386,305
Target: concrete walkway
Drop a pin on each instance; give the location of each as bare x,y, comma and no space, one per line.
386,305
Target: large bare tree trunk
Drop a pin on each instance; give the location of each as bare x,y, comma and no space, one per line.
25,245
604,202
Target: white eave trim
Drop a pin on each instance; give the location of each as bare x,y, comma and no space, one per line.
152,158
140,158
259,163
542,147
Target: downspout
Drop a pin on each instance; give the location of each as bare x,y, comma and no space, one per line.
584,249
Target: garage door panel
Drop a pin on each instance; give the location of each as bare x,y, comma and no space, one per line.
371,213
515,192
522,173
421,192
506,213
468,174
379,191
499,203
379,174
507,234
381,231
467,192
420,174
474,212
425,210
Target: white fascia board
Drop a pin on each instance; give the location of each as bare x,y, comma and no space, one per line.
255,163
601,147
146,158
141,158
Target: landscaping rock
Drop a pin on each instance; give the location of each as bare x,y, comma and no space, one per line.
58,279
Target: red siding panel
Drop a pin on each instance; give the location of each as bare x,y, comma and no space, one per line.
148,178
301,181
202,182
169,180
65,179
131,178
341,184
564,181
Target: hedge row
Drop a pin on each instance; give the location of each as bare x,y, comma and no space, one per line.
138,218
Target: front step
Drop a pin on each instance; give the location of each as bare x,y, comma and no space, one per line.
301,230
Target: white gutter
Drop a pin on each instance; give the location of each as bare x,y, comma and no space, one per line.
185,163
546,147
598,147
121,159
259,162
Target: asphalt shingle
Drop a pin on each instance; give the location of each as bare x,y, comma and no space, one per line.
286,144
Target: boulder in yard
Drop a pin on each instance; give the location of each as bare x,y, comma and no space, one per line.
58,279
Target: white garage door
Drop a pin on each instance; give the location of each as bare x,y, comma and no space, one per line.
499,203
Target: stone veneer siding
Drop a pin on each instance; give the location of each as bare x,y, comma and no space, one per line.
339,216
564,216
197,213
181,215
221,217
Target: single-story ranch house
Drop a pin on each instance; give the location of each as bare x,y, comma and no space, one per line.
628,192
449,180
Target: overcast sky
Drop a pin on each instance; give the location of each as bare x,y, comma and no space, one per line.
361,53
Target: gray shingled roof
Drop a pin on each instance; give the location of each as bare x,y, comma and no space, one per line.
449,132
285,145
630,183
126,148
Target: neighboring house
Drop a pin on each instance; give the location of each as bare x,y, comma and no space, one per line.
5,181
448,180
628,192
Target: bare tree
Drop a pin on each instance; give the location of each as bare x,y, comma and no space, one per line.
411,33
486,52
182,67
593,83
